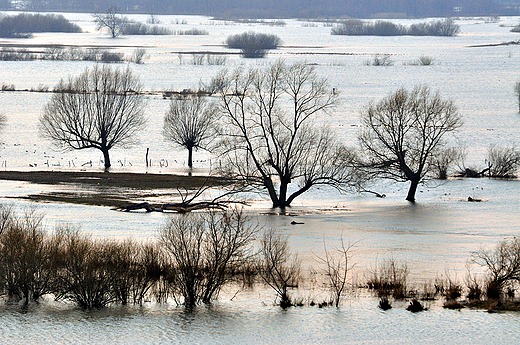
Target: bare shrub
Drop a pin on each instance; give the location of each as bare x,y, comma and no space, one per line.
337,265
22,54
192,32
134,268
138,56
502,264
380,60
213,59
55,53
425,60
203,249
503,161
444,160
389,279
110,57
279,268
252,44
144,29
27,260
474,287
197,59
415,306
84,277
354,27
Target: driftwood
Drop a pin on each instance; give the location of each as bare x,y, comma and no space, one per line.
180,207
472,173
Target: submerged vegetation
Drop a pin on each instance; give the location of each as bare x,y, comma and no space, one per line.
199,255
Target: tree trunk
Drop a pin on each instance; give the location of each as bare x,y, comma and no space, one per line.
190,157
413,188
106,158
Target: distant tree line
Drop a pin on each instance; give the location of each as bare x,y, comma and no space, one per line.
284,8
355,27
24,24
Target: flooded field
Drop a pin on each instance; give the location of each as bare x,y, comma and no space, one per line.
433,237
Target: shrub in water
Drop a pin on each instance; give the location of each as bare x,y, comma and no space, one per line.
252,44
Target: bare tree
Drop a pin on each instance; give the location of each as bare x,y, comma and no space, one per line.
270,138
189,124
404,131
112,20
101,109
279,268
337,265
204,248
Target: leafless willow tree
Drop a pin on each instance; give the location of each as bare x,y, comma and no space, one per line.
190,124
270,134
404,132
101,109
112,20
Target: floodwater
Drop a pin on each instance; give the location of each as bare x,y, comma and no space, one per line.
433,237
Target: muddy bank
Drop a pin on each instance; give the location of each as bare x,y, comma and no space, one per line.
109,189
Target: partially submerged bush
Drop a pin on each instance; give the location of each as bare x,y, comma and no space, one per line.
444,160
252,44
145,29
503,161
203,249
415,306
27,257
24,24
380,60
59,53
503,267
192,32
279,268
389,279
446,27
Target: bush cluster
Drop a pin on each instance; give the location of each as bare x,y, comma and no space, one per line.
355,27
252,44
24,24
196,256
59,53
145,29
